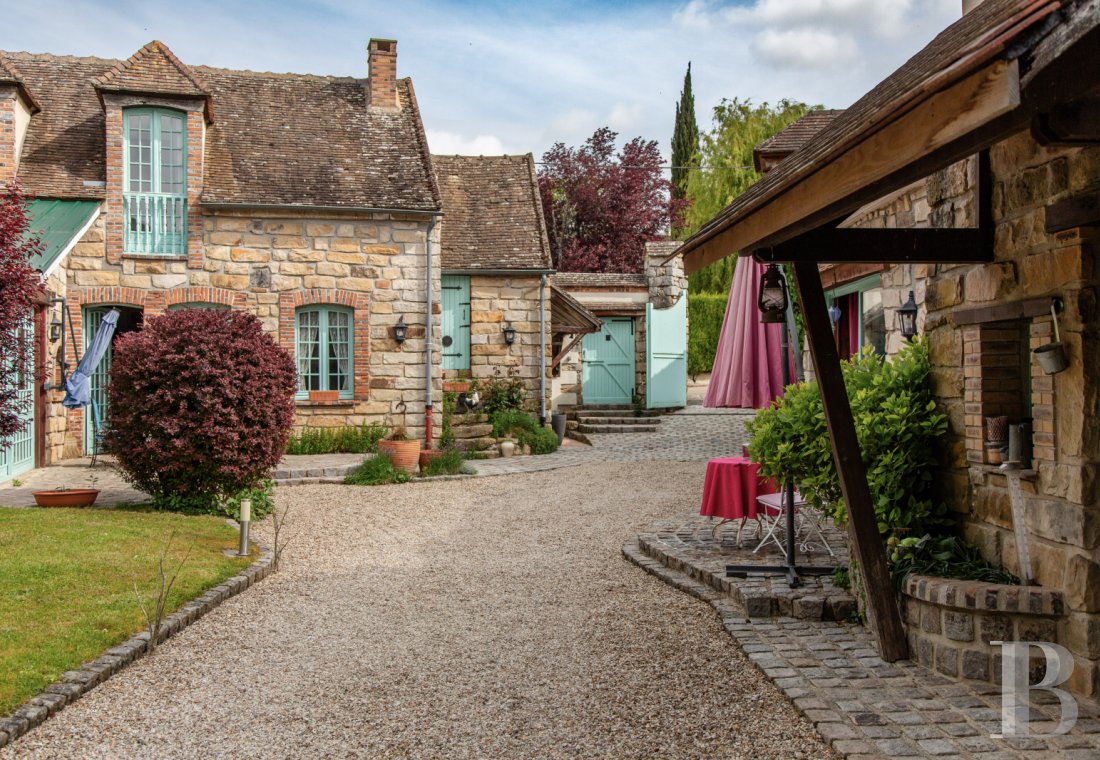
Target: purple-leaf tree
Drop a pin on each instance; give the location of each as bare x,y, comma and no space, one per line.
19,290
601,207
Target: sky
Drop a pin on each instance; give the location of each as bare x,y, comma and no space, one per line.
497,77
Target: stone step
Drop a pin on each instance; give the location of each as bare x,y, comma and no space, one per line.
619,412
617,428
584,419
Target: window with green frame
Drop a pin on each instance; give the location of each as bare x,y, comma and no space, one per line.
154,197
324,348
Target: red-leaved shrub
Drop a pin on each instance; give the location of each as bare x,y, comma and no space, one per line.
200,406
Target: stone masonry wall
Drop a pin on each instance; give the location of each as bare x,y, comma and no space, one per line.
986,368
269,264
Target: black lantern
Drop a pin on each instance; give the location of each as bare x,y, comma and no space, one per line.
773,296
56,326
907,318
509,333
400,330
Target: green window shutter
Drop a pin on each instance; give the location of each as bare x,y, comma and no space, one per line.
324,350
155,181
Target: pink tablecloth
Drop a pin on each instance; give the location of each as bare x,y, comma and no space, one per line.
731,487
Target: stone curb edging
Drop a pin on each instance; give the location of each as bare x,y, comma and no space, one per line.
74,684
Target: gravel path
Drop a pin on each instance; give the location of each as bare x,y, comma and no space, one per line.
491,617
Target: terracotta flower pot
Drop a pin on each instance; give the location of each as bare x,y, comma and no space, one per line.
427,456
66,497
324,397
405,455
456,386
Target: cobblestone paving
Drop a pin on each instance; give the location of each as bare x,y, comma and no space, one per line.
864,707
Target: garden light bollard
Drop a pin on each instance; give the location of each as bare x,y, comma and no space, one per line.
246,518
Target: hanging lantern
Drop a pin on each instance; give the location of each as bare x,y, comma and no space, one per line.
400,330
907,318
509,334
773,296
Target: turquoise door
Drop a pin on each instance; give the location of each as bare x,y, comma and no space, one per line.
456,322
93,316
17,456
607,363
666,355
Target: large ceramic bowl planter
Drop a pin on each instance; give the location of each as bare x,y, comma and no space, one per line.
405,455
66,497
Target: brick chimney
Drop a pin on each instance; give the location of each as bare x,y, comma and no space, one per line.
382,60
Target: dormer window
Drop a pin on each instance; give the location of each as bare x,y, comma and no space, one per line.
155,198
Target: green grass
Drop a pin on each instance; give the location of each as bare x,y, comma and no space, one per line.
361,439
376,471
449,461
67,584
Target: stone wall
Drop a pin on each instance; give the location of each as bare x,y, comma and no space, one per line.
983,365
270,263
497,301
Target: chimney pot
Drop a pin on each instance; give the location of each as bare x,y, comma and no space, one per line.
382,61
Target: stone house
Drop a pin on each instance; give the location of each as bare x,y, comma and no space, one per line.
635,332
309,201
495,262
969,177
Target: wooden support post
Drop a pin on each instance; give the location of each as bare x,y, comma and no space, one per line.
862,526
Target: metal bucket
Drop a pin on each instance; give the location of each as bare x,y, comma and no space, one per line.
1052,356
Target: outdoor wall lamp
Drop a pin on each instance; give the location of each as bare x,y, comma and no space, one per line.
509,333
400,330
56,326
907,318
773,296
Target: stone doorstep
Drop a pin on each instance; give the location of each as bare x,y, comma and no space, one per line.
73,684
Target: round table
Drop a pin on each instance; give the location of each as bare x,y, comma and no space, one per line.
731,487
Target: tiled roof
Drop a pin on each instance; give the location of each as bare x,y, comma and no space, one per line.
279,139
970,42
599,280
153,69
492,215
662,248
797,134
9,74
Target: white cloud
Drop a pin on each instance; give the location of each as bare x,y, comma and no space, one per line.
451,144
805,48
626,118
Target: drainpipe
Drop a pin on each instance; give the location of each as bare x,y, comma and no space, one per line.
428,336
542,350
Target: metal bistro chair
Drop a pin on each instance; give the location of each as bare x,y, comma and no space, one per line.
774,513
97,432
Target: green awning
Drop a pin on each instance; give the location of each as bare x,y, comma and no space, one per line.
58,224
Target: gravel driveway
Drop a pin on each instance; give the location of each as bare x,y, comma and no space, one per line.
491,617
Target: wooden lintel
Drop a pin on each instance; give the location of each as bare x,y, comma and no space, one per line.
862,524
1079,211
888,246
566,349
1001,312
1076,124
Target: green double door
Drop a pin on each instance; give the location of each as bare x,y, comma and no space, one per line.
17,453
607,365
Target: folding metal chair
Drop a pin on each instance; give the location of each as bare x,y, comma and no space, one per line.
772,507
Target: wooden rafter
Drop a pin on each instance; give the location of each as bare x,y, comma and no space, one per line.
1079,211
887,246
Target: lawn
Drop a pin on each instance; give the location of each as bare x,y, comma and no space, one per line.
67,584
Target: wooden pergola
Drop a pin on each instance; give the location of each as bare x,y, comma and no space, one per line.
1006,67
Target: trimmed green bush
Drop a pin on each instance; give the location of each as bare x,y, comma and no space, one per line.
900,434
705,314
525,429
450,461
352,439
375,471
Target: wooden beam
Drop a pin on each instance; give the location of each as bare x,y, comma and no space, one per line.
1001,312
1071,125
1079,211
852,179
888,246
862,525
569,347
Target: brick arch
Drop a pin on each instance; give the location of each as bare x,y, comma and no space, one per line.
359,303
116,295
233,298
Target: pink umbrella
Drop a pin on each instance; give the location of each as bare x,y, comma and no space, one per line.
747,372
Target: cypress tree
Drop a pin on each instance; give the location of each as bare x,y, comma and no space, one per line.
685,138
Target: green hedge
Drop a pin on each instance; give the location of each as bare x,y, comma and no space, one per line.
705,314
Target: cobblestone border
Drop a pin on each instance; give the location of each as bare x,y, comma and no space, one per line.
74,684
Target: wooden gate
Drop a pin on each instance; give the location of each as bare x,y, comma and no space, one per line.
666,355
456,322
607,364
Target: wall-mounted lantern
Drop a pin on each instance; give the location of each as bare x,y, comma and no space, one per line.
509,333
773,296
56,326
400,330
907,318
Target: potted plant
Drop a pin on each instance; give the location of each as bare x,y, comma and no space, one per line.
404,452
324,397
68,497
